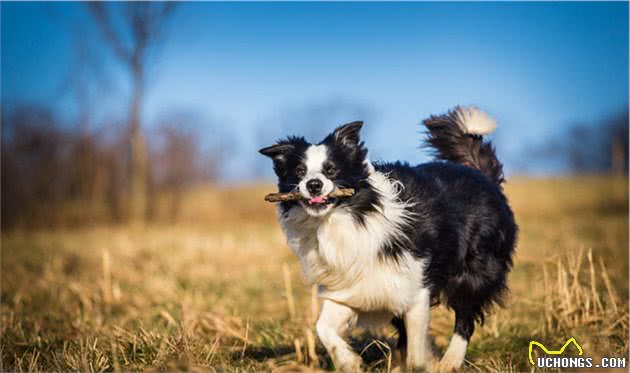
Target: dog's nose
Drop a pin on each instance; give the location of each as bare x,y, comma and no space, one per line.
314,186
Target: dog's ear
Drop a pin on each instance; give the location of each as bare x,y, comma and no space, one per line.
277,152
348,134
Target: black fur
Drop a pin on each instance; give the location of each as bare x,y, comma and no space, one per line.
401,345
465,228
462,223
452,143
286,155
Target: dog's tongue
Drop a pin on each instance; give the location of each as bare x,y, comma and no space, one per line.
318,199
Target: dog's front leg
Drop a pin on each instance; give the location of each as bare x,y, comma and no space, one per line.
417,325
333,324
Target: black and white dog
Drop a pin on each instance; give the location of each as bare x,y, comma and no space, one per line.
410,236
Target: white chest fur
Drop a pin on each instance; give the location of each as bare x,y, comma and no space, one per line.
342,256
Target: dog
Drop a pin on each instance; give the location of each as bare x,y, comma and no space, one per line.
409,238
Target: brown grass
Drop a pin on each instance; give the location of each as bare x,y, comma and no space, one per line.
220,290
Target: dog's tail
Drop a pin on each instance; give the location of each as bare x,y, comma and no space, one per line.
457,136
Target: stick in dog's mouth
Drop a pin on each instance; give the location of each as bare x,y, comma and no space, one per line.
296,196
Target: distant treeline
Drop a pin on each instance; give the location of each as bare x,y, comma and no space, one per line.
600,147
55,174
63,174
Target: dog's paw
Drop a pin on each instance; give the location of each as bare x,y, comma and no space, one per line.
350,365
426,365
449,364
421,363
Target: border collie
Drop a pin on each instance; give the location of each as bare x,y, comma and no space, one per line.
410,237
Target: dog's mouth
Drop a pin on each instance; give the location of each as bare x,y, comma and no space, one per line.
319,200
318,204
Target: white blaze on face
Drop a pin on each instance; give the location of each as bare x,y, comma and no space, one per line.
314,159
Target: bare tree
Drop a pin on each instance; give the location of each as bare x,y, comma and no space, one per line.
53,174
141,29
597,147
177,163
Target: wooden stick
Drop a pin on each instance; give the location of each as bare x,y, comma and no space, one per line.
294,196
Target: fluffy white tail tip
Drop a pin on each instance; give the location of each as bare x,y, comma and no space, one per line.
474,121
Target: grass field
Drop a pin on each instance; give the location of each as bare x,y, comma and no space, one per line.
220,290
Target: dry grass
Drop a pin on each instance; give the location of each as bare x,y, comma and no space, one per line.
221,291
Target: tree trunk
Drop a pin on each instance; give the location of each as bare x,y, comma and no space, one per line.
137,155
618,165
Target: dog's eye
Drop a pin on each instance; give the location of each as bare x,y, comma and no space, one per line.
330,170
300,171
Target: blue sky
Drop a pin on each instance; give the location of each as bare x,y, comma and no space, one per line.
254,71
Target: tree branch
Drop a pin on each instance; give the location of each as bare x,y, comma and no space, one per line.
99,11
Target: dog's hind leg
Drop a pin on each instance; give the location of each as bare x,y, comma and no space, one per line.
464,327
401,345
335,320
417,325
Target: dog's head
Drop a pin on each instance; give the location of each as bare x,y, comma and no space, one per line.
315,170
